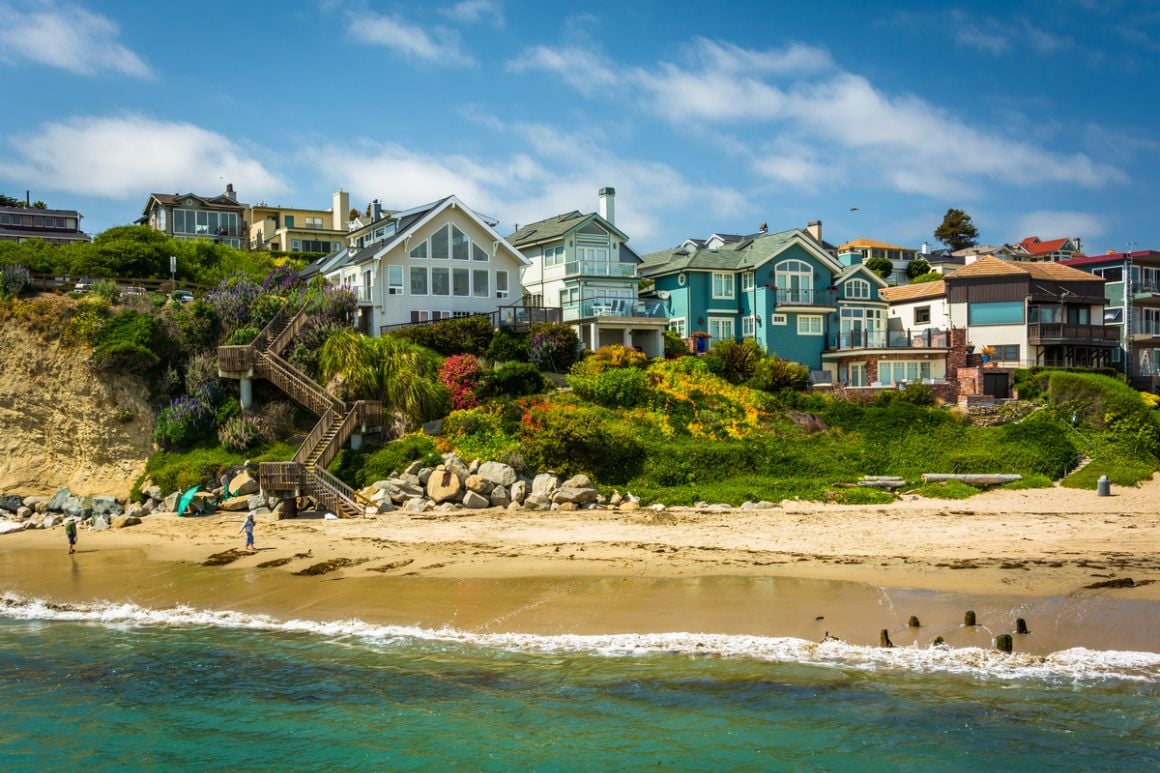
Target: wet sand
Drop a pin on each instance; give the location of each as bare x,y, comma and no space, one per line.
772,572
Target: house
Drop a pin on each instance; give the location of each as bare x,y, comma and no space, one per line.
1028,314
968,255
55,226
582,263
909,345
1033,249
289,229
1132,292
866,249
190,216
781,289
441,260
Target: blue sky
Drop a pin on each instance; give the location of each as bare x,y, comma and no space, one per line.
1035,117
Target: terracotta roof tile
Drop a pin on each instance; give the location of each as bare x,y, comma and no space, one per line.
989,266
914,291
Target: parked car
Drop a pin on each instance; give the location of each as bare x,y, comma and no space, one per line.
84,286
134,291
185,296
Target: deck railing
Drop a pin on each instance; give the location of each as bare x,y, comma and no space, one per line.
1058,331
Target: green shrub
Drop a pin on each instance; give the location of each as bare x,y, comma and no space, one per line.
507,345
612,356
1031,481
240,433
675,346
481,433
107,289
243,336
615,388
14,281
124,343
951,489
573,439
862,495
735,361
466,335
364,467
196,326
773,374
203,464
182,423
276,420
553,346
512,379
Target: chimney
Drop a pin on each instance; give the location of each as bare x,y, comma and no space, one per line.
763,228
230,192
339,209
1078,244
925,248
376,211
814,229
608,204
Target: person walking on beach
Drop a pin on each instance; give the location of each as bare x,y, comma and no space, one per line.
248,528
70,531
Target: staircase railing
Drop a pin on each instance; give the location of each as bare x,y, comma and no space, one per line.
332,492
302,389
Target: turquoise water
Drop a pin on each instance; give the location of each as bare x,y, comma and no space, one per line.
246,693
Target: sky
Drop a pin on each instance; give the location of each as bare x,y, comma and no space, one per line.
1036,118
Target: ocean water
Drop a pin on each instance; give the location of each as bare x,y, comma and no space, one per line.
103,686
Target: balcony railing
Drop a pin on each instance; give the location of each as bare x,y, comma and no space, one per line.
235,232
929,338
1056,331
614,307
519,316
599,268
806,297
362,293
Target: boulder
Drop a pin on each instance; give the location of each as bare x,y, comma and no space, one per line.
405,488
518,491
457,467
564,506
628,505
748,505
153,492
99,523
11,502
545,483
413,468
385,506
235,504
58,499
24,512
515,506
615,499
49,522
576,496
33,501
136,511
243,484
202,502
537,502
170,503
407,479
424,475
478,484
498,473
475,501
107,505
500,497
446,507
256,501
78,507
417,505
444,486
473,467
125,521
577,481
7,527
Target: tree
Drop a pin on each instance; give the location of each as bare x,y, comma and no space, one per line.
880,266
917,267
930,276
957,231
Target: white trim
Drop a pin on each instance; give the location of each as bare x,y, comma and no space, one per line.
682,323
803,317
749,326
779,319
732,330
730,285
454,202
722,311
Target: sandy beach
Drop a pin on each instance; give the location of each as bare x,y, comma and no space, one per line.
799,569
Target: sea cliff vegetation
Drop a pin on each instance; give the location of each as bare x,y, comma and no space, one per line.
731,426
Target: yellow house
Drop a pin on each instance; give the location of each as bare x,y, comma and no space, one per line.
290,229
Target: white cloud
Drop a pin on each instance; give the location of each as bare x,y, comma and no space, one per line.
66,36
130,156
474,11
560,173
580,68
1049,224
441,46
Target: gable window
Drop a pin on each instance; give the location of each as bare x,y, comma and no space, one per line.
747,281
809,324
678,326
722,285
795,281
394,280
418,280
501,284
419,251
922,315
478,253
720,329
440,243
749,327
857,288
460,244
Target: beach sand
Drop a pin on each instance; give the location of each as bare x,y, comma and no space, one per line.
800,569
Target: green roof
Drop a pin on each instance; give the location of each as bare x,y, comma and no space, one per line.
551,228
748,252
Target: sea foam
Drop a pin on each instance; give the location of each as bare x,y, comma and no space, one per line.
1077,664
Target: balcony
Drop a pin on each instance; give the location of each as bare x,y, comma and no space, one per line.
806,297
1057,333
599,268
928,338
521,317
618,308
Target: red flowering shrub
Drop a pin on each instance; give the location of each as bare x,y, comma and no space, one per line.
461,373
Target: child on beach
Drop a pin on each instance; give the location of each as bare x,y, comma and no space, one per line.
70,531
248,528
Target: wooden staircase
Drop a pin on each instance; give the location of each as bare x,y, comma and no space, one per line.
338,420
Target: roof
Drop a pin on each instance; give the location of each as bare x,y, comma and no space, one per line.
1034,246
212,202
981,249
555,227
748,252
35,211
856,243
1110,257
914,292
989,266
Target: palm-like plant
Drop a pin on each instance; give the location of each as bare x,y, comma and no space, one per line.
398,373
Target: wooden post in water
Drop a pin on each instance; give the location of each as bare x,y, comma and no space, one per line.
1021,626
884,639
913,622
1004,643
969,618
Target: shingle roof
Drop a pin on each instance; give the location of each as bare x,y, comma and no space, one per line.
211,202
1034,246
548,228
914,292
872,244
749,251
989,266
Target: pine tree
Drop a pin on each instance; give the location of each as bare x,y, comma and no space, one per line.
957,231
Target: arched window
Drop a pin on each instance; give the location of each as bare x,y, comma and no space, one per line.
795,281
857,288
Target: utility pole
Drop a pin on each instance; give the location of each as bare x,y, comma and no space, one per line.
173,271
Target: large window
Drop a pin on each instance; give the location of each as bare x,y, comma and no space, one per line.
794,280
910,371
418,280
809,324
449,242
998,313
747,281
394,280
857,288
200,222
501,284
419,251
312,245
441,281
460,244
922,315
720,329
479,283
723,286
460,282
441,243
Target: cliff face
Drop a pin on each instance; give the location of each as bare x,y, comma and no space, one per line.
64,424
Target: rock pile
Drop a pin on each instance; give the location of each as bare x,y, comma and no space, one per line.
39,512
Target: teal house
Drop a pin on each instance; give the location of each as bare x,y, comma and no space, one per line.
785,290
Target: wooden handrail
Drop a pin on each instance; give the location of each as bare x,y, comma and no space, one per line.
273,327
302,456
291,381
283,339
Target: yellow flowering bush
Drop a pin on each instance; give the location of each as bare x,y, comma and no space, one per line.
704,405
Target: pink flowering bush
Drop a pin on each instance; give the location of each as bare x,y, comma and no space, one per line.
461,374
